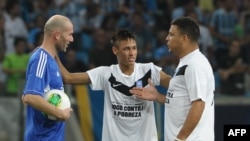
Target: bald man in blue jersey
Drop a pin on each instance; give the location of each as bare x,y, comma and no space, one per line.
43,75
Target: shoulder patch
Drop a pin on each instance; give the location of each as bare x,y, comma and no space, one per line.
181,70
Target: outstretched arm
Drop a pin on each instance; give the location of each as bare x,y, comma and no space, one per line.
165,78
72,78
149,93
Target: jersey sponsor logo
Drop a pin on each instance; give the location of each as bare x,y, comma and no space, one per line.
124,89
132,111
116,85
181,71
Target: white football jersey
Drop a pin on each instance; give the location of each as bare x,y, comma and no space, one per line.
126,118
193,79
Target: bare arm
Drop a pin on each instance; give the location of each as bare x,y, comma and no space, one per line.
72,78
165,78
41,104
149,93
192,119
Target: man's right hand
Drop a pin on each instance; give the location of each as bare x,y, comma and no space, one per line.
148,93
65,114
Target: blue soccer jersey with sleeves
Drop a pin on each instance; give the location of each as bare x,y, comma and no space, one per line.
42,75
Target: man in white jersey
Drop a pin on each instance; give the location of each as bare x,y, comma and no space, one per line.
189,102
126,118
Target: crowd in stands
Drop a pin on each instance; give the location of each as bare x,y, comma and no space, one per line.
224,40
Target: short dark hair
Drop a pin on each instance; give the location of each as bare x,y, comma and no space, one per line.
188,26
121,34
17,40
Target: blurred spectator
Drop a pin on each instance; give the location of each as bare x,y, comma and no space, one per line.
2,74
26,7
139,6
3,8
243,27
72,63
101,53
223,22
2,54
70,8
205,40
14,65
164,9
35,30
109,23
207,7
83,42
14,25
45,7
232,69
38,39
2,37
187,5
91,18
144,37
110,6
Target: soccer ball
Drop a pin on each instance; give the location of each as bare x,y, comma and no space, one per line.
59,99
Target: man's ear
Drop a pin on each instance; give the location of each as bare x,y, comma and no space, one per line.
114,50
57,35
185,38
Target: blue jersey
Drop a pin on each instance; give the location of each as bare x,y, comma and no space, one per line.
42,75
